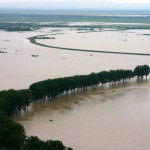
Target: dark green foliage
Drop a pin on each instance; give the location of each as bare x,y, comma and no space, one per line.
12,135
34,143
15,142
56,87
54,145
103,77
141,71
12,100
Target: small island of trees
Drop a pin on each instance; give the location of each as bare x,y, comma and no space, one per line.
12,135
44,37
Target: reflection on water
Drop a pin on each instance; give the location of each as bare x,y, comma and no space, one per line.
112,117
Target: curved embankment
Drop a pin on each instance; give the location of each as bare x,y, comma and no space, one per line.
33,41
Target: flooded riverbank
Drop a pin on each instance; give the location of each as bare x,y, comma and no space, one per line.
114,117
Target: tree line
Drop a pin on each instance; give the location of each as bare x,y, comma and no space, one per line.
52,88
12,135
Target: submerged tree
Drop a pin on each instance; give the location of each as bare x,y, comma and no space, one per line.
141,71
12,135
56,87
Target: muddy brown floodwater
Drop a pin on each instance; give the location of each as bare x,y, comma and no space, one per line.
108,118
19,68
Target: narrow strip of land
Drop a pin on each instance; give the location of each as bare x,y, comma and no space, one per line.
33,41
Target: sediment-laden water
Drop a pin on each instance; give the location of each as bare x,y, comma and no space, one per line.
19,68
112,117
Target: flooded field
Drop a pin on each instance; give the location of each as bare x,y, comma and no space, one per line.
114,117
102,40
19,68
51,44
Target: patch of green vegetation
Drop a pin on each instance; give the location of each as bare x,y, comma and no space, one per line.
33,18
17,26
34,26
147,34
2,52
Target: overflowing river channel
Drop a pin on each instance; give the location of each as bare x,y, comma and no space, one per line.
112,117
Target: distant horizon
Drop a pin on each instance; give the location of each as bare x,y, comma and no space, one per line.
85,12
114,1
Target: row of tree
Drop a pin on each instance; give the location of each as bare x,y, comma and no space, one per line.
12,135
55,87
14,100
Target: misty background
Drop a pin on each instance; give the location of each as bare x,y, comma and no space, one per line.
75,5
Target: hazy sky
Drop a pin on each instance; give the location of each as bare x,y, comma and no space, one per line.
77,4
119,1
